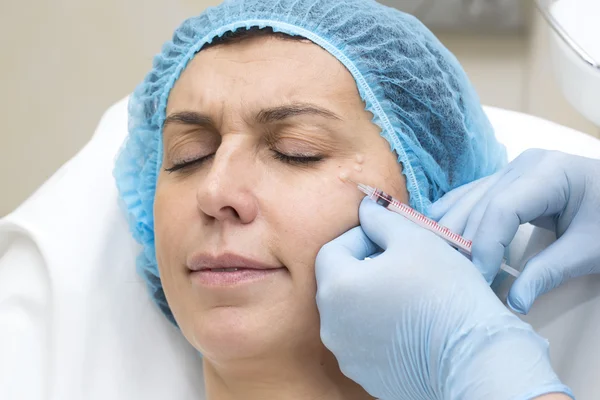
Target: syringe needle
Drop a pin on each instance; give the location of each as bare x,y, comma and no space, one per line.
344,177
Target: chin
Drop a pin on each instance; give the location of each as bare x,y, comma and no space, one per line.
234,332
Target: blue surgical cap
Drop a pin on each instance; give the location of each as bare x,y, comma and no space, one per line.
416,90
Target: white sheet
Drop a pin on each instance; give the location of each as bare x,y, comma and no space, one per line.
76,322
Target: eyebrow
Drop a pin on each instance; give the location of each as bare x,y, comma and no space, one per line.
189,118
280,113
265,116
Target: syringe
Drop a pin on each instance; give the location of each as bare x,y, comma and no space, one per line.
454,239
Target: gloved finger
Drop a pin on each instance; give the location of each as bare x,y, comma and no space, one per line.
457,216
478,209
373,256
518,168
438,209
521,201
342,252
549,269
382,226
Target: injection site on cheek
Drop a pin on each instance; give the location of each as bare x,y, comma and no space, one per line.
353,174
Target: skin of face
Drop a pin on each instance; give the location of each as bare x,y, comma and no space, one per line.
234,115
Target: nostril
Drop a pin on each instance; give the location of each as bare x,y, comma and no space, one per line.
230,212
226,201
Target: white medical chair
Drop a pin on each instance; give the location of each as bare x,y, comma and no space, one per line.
76,321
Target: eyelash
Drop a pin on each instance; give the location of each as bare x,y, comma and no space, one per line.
187,164
292,160
296,160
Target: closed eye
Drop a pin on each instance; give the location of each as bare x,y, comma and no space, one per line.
296,159
188,164
286,158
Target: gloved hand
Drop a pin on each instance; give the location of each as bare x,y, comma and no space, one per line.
551,189
419,321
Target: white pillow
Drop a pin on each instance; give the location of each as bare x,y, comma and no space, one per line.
77,323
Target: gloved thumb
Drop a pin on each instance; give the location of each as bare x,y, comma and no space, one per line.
342,252
546,271
382,226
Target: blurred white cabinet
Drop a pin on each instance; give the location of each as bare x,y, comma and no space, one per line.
467,15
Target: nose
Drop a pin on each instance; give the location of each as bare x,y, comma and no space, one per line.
226,193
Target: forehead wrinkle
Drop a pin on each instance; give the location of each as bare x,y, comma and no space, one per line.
337,90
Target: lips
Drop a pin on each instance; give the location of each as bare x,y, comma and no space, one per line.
227,262
223,269
230,271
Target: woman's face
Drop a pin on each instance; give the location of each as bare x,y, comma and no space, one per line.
266,127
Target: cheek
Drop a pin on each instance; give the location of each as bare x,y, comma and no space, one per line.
388,177
379,168
312,214
171,209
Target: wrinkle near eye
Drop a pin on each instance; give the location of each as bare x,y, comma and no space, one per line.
304,138
304,146
190,144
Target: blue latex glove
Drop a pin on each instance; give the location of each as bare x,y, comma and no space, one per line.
551,189
419,321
